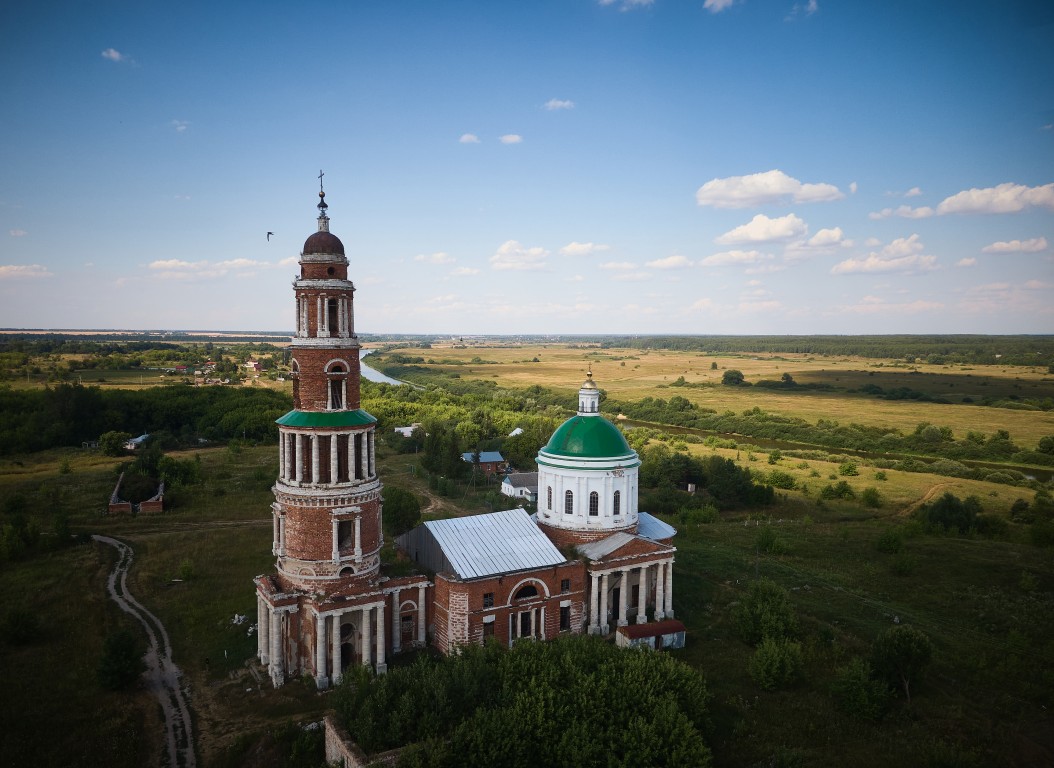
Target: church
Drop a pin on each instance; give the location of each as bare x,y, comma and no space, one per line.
588,561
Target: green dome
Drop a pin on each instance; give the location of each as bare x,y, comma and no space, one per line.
588,436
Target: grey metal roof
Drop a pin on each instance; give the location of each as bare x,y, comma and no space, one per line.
499,542
522,480
484,456
651,527
596,550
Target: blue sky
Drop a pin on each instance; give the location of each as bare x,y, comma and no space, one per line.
573,166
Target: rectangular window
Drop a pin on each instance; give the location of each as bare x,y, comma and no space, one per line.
488,630
565,585
565,618
616,506
488,599
594,504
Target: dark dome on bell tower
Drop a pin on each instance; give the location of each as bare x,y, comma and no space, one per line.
323,242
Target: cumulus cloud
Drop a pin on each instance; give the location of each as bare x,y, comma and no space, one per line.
670,262
464,272
17,232
618,265
913,192
627,5
554,104
435,258
802,9
178,269
583,249
512,255
181,125
903,211
631,276
1033,245
902,255
826,238
853,186
17,271
967,262
469,138
716,6
762,229
510,138
1004,198
763,188
727,258
112,54
873,305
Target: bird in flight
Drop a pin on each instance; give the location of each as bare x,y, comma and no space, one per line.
269,236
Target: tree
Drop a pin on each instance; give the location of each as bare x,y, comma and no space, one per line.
1046,444
112,443
765,612
732,377
899,655
402,510
121,662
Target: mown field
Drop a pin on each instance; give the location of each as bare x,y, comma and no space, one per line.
986,603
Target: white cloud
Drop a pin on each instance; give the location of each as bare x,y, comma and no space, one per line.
716,6
808,9
553,104
1033,245
872,242
618,265
464,272
763,188
853,186
112,54
704,303
967,262
17,271
181,125
435,258
826,238
759,306
913,192
510,138
17,232
903,211
469,138
902,255
762,229
1004,198
177,269
727,258
513,255
627,5
575,279
631,276
583,249
670,262
873,305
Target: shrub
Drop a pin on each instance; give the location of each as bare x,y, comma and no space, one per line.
891,542
776,663
991,526
121,662
899,656
766,611
767,541
857,693
780,479
951,513
880,475
848,469
871,497
903,564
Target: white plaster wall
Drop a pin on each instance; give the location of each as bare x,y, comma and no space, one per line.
581,483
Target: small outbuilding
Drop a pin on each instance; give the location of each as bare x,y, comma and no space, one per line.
655,635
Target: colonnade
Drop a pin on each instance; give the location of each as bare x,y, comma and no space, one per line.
351,456
601,583
345,327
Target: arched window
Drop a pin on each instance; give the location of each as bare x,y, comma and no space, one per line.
594,504
549,495
528,590
616,503
569,503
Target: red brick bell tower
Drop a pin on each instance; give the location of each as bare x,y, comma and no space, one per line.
324,607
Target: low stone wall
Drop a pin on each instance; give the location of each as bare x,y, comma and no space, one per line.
342,751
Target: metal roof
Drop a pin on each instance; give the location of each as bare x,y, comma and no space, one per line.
597,550
499,542
522,479
484,456
653,528
326,419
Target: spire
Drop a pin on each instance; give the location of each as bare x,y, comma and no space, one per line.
323,219
589,396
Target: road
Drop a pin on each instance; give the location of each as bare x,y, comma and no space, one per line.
163,677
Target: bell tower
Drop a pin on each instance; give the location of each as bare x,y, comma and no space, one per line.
325,604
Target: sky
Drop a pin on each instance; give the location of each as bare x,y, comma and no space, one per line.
536,167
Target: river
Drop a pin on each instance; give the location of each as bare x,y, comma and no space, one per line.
372,374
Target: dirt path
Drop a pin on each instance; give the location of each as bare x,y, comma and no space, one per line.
927,497
162,675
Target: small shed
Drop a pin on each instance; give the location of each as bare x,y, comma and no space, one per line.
490,462
521,485
655,635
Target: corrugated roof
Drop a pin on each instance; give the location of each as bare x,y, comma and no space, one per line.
484,456
499,542
596,550
522,479
651,527
326,419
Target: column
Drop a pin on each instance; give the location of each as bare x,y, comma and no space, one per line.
277,537
276,666
281,455
281,535
337,671
361,456
314,459
623,589
358,537
336,541
594,613
372,458
320,321
367,635
397,639
382,665
298,473
321,680
642,596
334,475
660,591
421,616
604,603
263,627
669,589
541,623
